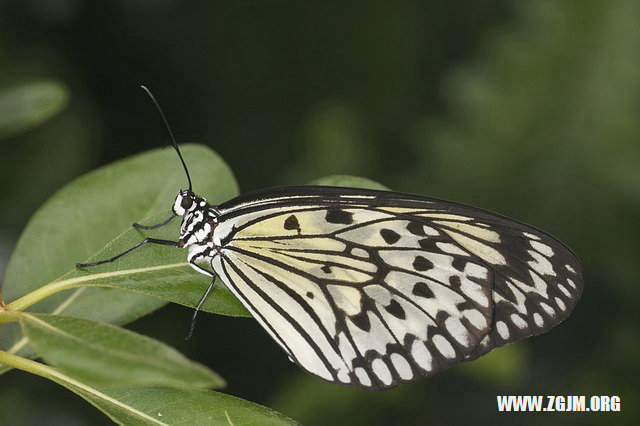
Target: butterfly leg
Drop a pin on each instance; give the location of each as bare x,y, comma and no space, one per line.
129,250
157,225
203,298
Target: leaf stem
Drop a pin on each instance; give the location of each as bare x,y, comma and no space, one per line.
41,293
27,365
82,281
8,315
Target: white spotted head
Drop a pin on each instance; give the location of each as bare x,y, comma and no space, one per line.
186,201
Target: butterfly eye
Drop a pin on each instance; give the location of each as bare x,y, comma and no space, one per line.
186,203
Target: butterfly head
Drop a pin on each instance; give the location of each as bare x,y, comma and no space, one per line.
198,218
186,201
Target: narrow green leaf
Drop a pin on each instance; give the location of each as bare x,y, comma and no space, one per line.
104,354
91,218
348,181
26,106
179,406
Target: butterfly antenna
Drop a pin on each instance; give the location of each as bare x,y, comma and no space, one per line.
173,139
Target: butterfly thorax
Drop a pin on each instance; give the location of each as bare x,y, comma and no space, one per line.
198,222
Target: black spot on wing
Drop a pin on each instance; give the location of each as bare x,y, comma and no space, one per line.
416,228
291,223
339,216
421,263
454,282
361,320
326,269
395,309
459,263
389,236
422,289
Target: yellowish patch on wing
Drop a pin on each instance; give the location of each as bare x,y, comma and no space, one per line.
344,274
341,267
334,258
318,243
346,298
483,251
476,231
311,222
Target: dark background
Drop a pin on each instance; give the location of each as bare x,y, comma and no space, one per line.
531,110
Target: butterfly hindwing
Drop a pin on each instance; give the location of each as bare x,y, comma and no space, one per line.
376,288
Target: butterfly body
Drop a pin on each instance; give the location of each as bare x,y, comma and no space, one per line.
376,288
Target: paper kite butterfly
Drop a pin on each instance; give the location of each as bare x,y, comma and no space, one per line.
375,288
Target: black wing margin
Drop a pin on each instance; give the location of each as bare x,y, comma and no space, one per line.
537,282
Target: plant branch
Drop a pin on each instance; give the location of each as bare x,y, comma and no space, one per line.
75,282
7,315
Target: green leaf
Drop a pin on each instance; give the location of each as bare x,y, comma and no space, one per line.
104,354
91,218
349,181
26,106
157,405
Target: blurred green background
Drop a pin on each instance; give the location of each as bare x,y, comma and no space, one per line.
530,109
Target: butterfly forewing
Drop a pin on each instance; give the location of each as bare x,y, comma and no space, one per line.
375,288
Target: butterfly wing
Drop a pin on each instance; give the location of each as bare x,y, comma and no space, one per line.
375,288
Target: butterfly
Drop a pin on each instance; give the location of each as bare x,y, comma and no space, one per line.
376,288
